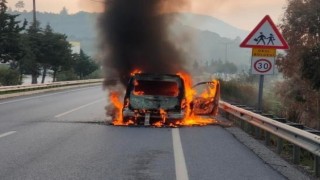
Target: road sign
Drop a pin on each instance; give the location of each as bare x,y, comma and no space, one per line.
265,35
264,52
262,65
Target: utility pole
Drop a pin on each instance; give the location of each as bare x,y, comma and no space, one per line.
34,77
34,13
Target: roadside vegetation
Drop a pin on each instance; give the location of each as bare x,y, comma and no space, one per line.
28,48
297,95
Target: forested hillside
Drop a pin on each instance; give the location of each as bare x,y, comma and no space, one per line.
205,45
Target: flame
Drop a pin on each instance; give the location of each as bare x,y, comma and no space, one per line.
138,93
210,92
163,114
158,124
118,119
189,92
136,71
189,120
115,100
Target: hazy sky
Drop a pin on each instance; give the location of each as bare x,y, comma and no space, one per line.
244,14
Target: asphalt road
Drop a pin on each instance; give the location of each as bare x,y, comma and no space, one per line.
58,136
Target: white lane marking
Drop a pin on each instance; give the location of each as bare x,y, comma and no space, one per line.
18,100
7,134
179,161
78,108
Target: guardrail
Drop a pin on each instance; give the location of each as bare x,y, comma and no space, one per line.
299,138
19,88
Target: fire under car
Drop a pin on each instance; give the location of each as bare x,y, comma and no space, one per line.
154,98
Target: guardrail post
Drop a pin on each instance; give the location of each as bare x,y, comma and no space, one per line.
267,138
279,145
257,132
251,129
296,154
242,124
317,166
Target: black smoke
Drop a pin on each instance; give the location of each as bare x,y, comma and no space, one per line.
134,35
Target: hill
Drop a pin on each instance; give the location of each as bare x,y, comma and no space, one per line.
209,38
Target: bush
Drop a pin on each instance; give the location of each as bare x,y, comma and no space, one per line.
238,92
97,74
247,94
66,76
9,77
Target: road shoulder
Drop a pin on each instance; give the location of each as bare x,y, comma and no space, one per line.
268,156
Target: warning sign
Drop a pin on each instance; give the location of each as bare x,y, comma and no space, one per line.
264,52
262,65
265,35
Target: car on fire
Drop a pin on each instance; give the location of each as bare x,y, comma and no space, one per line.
154,98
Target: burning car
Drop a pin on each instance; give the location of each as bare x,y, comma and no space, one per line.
154,98
166,99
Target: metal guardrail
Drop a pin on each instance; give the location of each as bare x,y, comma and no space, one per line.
296,136
12,89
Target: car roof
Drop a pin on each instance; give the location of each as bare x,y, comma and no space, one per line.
155,76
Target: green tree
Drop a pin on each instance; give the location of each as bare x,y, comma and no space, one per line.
301,29
84,65
33,40
45,50
59,52
311,66
56,52
9,76
19,5
10,35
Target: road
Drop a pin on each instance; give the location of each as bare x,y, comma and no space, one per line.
59,135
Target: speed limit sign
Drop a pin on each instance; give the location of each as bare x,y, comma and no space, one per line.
262,65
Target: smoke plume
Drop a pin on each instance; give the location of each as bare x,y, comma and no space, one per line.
134,35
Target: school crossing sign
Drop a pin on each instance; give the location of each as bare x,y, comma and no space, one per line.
264,39
265,35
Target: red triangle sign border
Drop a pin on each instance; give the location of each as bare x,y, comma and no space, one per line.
267,18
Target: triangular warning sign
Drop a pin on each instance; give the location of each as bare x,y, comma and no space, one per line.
265,35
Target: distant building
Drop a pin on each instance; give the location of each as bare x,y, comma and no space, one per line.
75,47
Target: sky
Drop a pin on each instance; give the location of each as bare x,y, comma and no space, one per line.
244,14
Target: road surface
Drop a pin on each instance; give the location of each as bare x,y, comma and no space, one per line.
61,135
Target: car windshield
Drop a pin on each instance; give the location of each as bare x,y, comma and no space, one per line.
155,88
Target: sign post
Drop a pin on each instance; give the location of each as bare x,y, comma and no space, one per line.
261,80
265,38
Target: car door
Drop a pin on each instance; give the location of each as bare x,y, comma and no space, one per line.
206,98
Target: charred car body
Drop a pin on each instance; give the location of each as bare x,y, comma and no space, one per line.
150,97
153,98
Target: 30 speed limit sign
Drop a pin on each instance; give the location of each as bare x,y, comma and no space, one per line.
262,65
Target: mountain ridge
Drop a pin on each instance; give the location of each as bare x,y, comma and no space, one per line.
212,39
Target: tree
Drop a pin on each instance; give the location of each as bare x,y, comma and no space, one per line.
311,66
60,56
33,41
301,28
10,29
19,5
64,11
84,65
45,50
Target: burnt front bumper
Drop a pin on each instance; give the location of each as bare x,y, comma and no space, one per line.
147,117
